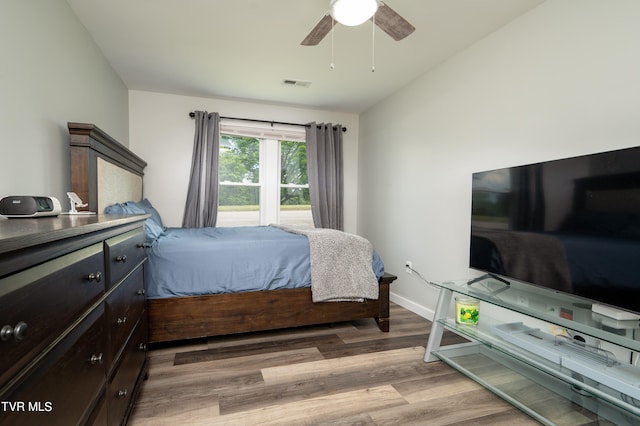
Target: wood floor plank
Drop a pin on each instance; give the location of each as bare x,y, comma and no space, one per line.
370,346
192,417
325,409
229,352
335,366
402,327
453,410
509,417
284,334
430,387
183,404
233,372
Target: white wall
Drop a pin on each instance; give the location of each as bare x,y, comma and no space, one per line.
162,133
561,80
52,73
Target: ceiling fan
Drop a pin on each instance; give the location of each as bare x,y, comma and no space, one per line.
356,12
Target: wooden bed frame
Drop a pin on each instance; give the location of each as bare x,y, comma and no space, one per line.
104,172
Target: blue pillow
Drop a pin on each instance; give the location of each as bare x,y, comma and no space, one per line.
124,208
146,205
151,229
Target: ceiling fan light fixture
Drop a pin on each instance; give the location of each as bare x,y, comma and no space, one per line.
353,12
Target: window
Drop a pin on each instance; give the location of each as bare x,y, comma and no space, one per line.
262,178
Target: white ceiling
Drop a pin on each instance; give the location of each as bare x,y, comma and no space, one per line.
244,49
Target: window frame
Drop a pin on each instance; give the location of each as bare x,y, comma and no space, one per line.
270,163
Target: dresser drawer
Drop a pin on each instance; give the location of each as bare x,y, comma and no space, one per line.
38,304
64,387
100,413
124,308
122,253
123,385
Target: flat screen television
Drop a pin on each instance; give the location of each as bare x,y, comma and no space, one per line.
571,225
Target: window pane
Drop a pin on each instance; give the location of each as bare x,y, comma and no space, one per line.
294,196
295,204
238,205
295,207
293,163
239,159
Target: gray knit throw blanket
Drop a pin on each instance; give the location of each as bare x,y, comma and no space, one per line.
340,265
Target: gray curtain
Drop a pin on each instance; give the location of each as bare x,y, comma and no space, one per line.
201,208
324,163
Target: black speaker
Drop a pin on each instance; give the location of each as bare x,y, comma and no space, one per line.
29,206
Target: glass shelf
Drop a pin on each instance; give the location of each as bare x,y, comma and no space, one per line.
553,379
558,308
569,381
542,396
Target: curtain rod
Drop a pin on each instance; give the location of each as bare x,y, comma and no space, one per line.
192,115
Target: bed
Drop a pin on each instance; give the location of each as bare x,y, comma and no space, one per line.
104,173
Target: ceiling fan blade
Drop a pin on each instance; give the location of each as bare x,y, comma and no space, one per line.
391,23
319,31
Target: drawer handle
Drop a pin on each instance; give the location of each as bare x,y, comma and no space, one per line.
96,359
141,292
142,347
122,321
122,258
19,332
122,393
95,276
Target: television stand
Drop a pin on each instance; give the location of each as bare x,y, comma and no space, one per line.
553,383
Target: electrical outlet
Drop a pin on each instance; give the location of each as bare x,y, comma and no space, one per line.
408,265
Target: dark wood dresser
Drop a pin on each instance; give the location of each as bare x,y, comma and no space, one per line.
73,322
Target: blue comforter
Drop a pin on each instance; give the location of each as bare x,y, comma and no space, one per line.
200,261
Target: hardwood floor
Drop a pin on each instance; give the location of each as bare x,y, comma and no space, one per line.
347,374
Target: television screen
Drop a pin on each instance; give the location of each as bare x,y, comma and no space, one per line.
571,225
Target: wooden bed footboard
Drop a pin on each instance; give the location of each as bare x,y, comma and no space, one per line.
219,314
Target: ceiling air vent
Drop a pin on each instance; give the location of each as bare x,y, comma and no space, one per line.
299,83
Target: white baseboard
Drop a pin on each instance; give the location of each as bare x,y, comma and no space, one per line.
423,311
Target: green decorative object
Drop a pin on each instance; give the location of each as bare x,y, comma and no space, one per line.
467,310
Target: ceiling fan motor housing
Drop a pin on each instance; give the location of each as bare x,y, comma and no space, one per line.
353,12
